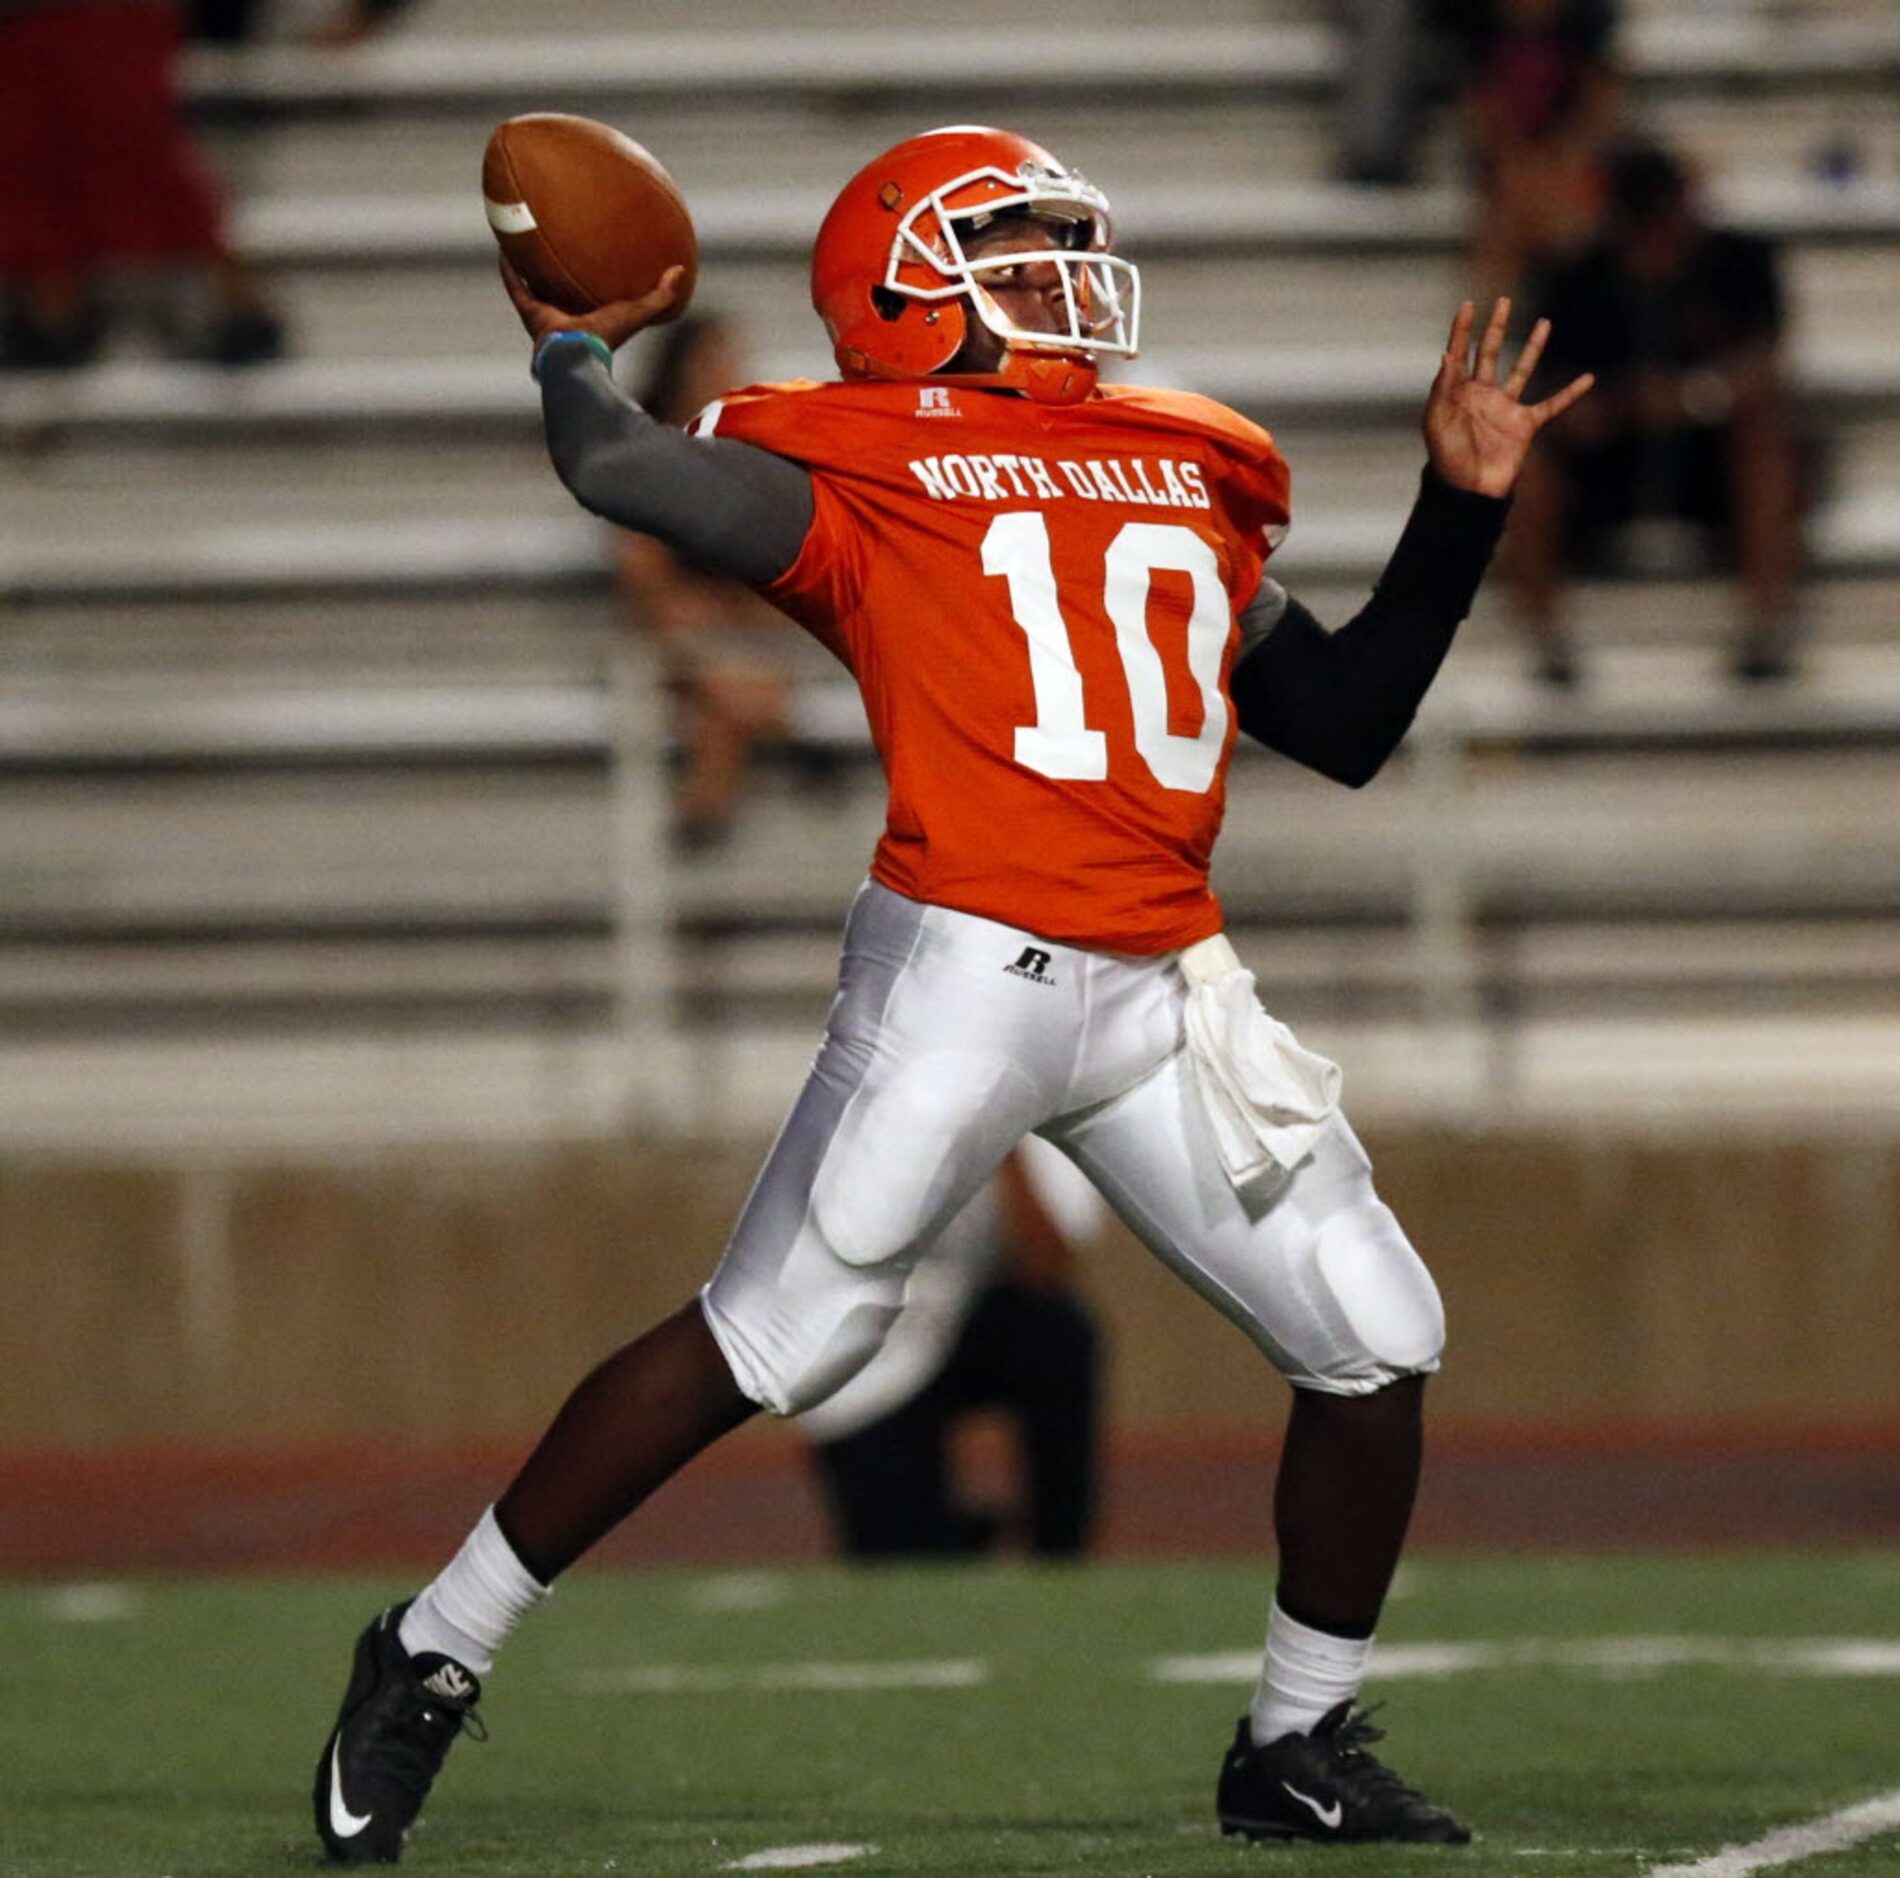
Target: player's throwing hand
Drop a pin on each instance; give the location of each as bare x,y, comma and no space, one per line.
1478,432
616,322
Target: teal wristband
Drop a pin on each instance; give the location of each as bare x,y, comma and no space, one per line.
592,341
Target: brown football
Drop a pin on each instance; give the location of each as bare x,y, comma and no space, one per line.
585,214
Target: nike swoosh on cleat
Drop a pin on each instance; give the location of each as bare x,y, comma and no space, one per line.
1328,1816
344,1823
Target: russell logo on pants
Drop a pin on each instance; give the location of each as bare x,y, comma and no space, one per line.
1033,965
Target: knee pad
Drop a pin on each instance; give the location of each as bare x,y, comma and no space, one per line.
856,1337
1381,1288
788,1361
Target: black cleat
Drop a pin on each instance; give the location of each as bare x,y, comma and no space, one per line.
399,1715
1325,1786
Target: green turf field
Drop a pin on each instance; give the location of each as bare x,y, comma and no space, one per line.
170,1728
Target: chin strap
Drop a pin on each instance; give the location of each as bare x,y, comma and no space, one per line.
1050,377
1044,377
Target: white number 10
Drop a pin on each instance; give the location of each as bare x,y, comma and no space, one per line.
1060,743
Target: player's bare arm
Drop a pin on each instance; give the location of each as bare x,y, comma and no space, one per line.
1341,702
720,505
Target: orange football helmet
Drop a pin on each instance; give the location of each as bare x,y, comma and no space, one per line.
890,279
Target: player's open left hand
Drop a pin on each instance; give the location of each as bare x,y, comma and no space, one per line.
616,323
1477,431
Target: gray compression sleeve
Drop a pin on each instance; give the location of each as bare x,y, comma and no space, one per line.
725,506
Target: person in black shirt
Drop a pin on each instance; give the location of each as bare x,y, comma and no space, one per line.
993,1324
1682,324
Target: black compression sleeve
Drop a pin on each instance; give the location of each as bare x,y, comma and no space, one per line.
725,506
1340,702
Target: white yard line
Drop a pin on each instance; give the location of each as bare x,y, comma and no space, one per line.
738,1591
684,1679
1835,1832
90,1603
1602,1656
798,1857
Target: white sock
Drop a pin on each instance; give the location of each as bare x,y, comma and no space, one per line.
1306,1672
469,1610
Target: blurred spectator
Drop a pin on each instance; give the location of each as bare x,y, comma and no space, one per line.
235,22
356,20
1536,89
1540,99
730,660
991,1321
98,175
1682,324
1389,56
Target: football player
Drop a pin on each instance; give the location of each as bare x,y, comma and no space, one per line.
1051,592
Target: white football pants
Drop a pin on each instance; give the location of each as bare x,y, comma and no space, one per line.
951,1038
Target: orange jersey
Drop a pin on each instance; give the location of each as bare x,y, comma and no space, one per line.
1039,604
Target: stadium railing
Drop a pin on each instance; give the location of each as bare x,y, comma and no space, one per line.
398,823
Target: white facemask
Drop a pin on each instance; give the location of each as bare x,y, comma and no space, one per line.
1101,291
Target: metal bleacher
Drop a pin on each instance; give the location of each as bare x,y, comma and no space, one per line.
330,788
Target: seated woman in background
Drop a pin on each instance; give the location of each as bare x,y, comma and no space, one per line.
1541,100
729,660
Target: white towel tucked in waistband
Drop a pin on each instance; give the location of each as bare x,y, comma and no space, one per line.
1267,1096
